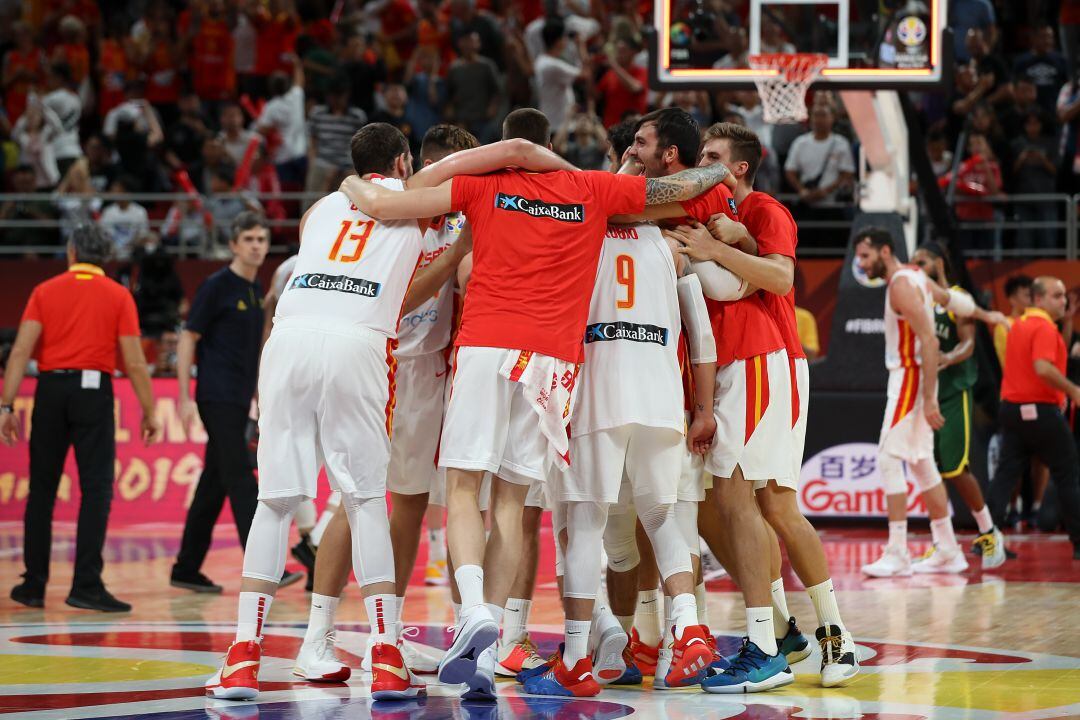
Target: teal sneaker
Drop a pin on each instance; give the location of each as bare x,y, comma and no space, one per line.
794,646
751,671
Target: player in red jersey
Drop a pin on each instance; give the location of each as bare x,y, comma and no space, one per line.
537,241
766,222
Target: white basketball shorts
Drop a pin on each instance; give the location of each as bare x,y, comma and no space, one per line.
421,380
800,404
326,398
905,432
651,458
753,419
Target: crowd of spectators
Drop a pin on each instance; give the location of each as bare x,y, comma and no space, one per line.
227,101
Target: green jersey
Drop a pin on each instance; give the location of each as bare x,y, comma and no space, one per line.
956,378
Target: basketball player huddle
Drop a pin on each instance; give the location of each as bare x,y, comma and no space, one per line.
626,356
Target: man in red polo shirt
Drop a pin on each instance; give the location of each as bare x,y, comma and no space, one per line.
1033,393
75,320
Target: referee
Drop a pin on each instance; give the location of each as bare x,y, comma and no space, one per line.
1033,393
75,320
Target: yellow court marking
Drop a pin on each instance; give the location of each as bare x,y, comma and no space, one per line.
51,670
1000,691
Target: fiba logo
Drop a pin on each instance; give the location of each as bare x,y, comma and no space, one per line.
911,31
861,277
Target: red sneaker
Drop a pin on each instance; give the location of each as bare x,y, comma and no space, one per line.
644,655
238,678
390,677
565,682
691,654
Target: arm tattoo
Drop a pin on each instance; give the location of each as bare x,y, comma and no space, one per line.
683,185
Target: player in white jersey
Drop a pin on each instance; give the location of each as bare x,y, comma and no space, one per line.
911,412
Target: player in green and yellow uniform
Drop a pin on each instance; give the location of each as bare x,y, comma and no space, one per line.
957,374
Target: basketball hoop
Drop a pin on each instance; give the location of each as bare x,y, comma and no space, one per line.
783,95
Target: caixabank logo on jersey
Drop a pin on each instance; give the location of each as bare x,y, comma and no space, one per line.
572,213
338,283
602,332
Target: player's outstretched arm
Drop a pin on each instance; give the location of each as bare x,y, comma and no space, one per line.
683,185
430,279
516,153
385,204
961,304
774,273
717,282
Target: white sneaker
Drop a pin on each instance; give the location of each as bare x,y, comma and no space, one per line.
318,663
663,663
895,561
481,686
476,632
991,546
839,657
936,561
418,661
607,657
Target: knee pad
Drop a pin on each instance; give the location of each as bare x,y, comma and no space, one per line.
585,523
686,519
620,542
892,474
671,551
926,473
373,556
268,539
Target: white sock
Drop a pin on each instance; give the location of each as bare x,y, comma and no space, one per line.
779,603
381,611
702,605
321,617
683,613
399,606
824,598
496,612
982,517
647,617
898,533
759,628
436,545
577,641
252,611
515,620
942,532
626,622
470,582
456,607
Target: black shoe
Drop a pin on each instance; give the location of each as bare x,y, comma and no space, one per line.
100,600
1012,519
196,582
304,552
28,596
289,577
1076,551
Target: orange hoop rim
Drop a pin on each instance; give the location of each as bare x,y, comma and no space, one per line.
795,67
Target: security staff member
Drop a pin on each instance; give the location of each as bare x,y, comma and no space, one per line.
75,321
1033,393
223,333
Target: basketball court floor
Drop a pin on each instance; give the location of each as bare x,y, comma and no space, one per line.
976,646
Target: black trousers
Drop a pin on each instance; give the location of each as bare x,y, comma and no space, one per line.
66,414
227,473
1047,437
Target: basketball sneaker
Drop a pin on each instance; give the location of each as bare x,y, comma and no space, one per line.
476,632
991,546
416,659
516,657
390,677
318,663
608,655
936,561
839,660
690,656
632,675
794,645
238,678
644,655
481,686
436,573
540,669
566,682
895,561
751,671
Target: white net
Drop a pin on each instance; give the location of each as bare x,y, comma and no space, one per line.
783,95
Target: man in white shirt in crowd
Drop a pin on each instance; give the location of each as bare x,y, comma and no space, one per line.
282,123
555,77
67,106
818,164
234,137
124,221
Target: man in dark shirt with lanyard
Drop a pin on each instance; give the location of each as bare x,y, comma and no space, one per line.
223,335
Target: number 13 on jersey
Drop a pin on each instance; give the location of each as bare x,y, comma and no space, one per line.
624,275
360,237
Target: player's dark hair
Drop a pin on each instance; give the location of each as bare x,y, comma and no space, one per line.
877,237
374,148
744,142
553,31
246,221
62,71
675,127
1017,282
621,137
442,140
529,124
935,248
278,84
